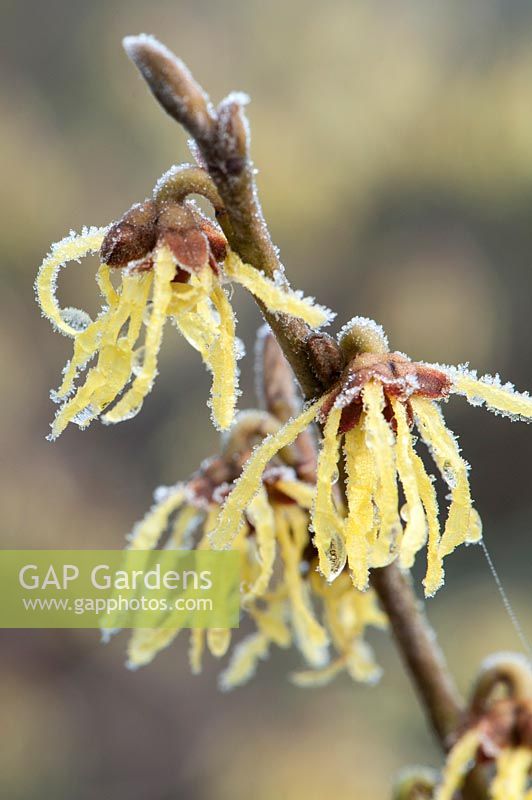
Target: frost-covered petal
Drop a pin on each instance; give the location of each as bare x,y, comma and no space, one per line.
131,402
147,533
276,298
458,762
302,493
71,248
326,523
313,678
415,533
511,780
463,523
500,398
116,356
360,663
196,649
381,443
361,482
434,575
244,661
218,641
231,517
222,359
145,643
311,637
261,515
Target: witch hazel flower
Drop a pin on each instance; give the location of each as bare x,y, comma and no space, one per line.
496,733
282,593
164,259
369,418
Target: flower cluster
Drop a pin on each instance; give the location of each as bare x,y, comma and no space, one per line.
171,262
496,734
282,592
370,414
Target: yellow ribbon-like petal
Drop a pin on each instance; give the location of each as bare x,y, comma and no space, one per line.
415,534
222,360
244,661
381,443
71,248
511,780
311,637
310,678
145,643
462,523
457,765
129,405
147,533
276,298
261,516
112,371
498,398
434,575
196,648
232,515
302,493
328,527
361,482
218,641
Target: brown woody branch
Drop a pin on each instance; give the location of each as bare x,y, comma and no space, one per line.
221,142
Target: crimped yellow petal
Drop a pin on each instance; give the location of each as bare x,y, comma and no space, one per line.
185,297
434,575
271,621
200,331
196,649
298,521
103,383
222,360
244,661
328,528
129,405
185,519
280,299
415,533
368,611
497,397
361,481
302,493
310,678
360,663
232,515
311,637
380,441
145,643
511,780
147,533
71,248
105,285
87,342
112,371
218,641
458,762
260,514
462,524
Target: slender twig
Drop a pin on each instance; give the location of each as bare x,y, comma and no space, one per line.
221,145
419,650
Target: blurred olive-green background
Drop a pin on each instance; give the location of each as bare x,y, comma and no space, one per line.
394,148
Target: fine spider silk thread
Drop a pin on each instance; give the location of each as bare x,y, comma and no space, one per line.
527,647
